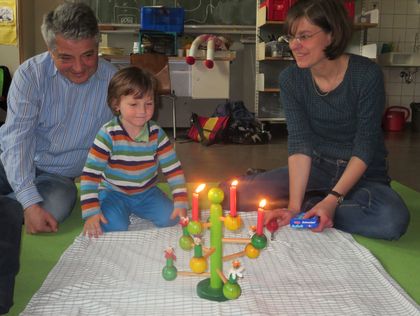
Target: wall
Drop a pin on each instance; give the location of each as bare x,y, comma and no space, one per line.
399,23
30,39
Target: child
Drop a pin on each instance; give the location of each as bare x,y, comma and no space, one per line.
121,171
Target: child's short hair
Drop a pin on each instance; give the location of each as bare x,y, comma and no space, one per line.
130,81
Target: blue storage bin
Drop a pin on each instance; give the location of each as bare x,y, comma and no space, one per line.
162,19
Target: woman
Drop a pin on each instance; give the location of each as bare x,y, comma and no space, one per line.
333,101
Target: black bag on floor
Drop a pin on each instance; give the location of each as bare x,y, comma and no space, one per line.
243,128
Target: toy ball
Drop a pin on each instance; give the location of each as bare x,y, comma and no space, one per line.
233,222
190,60
251,252
272,225
169,273
198,264
231,290
216,195
259,241
186,242
209,63
194,228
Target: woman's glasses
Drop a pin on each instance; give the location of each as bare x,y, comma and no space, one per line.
300,39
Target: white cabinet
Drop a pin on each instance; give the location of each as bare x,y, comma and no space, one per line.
210,83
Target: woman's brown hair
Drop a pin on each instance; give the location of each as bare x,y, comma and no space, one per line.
330,15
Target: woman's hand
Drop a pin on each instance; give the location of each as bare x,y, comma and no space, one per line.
325,210
92,226
283,216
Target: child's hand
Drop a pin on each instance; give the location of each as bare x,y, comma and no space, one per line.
92,226
179,212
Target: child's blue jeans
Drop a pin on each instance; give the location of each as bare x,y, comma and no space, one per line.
372,208
152,205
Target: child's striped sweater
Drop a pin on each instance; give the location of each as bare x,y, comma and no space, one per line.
117,162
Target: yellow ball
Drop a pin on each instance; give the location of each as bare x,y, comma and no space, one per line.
251,252
198,265
233,222
216,195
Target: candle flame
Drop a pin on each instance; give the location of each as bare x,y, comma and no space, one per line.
263,202
200,188
234,183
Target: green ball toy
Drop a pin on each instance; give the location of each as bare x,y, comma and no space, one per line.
216,195
259,241
194,228
186,242
169,273
231,290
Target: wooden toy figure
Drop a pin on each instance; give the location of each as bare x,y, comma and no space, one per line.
251,251
231,288
169,272
198,263
185,242
259,240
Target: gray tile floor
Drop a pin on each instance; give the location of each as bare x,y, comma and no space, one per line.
223,161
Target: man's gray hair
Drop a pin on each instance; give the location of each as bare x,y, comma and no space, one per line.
72,21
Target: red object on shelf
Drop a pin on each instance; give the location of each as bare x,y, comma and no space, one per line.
277,9
350,6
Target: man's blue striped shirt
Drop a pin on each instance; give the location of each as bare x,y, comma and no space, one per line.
51,123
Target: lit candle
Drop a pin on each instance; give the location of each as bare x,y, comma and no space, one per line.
195,216
233,198
260,217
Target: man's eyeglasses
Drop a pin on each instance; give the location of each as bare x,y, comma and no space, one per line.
301,38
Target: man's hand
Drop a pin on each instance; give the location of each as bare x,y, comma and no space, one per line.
92,226
180,212
38,220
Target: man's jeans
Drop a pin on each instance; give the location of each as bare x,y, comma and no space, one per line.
11,217
59,192
372,208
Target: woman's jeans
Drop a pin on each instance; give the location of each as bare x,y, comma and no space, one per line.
372,208
151,204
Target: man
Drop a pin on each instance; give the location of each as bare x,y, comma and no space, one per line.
56,105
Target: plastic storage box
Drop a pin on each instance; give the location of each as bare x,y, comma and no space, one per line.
277,9
162,19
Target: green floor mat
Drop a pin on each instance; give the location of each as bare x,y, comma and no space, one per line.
41,252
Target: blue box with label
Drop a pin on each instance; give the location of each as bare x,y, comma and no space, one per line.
162,19
299,222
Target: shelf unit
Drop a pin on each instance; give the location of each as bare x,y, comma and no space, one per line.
267,69
188,29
